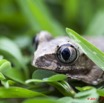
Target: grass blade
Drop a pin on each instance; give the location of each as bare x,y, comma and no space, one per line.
90,50
17,92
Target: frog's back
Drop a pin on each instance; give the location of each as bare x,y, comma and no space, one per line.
97,41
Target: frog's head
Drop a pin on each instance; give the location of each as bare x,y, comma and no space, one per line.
63,56
55,54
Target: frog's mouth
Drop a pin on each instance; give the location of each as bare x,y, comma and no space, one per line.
73,71
50,62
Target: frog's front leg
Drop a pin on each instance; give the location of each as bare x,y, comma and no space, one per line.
94,77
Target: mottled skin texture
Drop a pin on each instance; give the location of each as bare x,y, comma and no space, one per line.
83,69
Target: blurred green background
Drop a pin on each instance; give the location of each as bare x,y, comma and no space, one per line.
27,17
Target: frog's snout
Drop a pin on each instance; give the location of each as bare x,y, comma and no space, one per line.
45,62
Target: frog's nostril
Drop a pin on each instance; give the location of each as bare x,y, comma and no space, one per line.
67,53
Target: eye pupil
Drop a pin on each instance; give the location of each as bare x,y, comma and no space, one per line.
65,54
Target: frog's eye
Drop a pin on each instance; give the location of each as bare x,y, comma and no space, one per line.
67,53
35,42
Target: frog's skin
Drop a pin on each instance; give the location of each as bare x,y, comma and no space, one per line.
83,69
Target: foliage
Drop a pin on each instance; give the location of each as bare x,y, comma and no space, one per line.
96,55
20,20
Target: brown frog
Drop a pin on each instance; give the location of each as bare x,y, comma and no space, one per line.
62,55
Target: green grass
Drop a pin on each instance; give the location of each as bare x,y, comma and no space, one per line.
96,55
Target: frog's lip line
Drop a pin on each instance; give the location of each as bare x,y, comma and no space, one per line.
55,70
62,71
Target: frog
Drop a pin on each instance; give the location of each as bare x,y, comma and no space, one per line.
62,55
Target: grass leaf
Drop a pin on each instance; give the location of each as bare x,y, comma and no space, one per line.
17,92
54,78
12,73
2,77
41,100
89,49
86,96
4,65
100,92
82,97
57,77
15,75
40,74
10,50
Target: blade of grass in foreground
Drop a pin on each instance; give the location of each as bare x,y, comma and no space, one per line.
17,92
90,50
